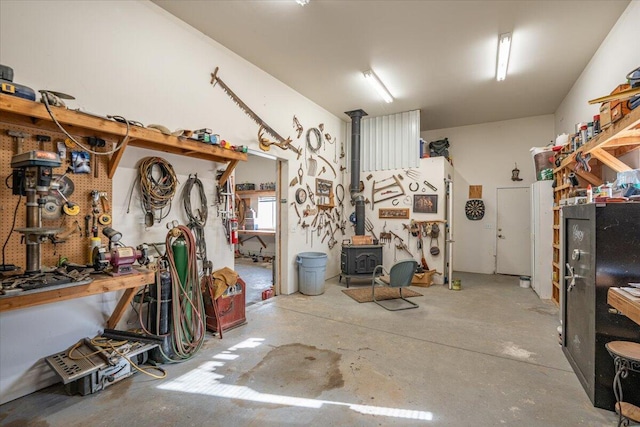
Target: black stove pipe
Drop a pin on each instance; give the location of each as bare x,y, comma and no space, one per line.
354,189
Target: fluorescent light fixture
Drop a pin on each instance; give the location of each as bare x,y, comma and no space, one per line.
375,82
504,48
303,2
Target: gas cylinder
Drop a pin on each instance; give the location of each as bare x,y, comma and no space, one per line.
179,248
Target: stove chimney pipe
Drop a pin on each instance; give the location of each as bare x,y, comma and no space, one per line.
354,189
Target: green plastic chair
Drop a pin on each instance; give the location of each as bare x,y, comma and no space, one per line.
399,276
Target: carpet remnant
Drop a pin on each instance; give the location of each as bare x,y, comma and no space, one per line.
364,294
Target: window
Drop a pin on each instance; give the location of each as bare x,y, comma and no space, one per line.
266,213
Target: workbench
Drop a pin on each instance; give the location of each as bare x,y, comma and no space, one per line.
625,303
101,283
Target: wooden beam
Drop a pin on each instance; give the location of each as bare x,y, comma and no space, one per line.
227,172
589,177
125,299
115,159
616,164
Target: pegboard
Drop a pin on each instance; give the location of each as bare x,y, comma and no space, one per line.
76,246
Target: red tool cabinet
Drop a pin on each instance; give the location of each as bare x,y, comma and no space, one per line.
231,308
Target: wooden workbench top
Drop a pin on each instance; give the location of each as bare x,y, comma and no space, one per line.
101,283
625,303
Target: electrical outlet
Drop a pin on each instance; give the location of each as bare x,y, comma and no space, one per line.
488,226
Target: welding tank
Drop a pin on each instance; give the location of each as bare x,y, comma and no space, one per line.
179,249
159,313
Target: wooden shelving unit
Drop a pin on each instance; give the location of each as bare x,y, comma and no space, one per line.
618,139
34,114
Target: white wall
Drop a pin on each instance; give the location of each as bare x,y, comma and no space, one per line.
434,171
484,155
617,55
134,59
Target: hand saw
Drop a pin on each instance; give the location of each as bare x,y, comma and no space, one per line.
248,111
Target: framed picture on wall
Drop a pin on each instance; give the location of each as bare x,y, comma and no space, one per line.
425,203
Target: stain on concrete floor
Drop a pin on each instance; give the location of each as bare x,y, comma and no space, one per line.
295,370
27,423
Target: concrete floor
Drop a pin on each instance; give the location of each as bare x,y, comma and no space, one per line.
257,275
484,356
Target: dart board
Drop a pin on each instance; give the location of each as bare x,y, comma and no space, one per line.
474,209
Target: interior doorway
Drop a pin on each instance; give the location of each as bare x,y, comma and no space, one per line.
257,207
513,231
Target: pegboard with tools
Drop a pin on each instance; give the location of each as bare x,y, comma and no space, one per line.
77,204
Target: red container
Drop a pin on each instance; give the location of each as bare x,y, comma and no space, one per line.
267,293
231,308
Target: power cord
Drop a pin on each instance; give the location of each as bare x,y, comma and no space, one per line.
10,267
45,101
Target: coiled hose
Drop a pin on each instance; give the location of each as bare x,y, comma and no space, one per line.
196,222
157,182
188,331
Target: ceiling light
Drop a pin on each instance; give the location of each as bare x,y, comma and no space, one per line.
378,86
303,2
504,47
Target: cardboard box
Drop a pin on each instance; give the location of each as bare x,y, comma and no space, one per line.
423,280
605,115
362,240
619,108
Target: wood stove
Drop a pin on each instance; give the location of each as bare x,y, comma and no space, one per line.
359,261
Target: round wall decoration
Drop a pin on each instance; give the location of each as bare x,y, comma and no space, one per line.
474,209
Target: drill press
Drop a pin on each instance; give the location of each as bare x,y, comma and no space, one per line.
32,172
32,176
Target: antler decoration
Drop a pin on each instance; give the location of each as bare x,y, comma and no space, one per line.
265,144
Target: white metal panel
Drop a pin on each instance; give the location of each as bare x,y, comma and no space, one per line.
388,142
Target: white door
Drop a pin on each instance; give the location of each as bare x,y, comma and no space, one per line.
513,242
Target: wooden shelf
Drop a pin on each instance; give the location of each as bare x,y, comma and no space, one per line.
621,137
256,193
257,232
30,113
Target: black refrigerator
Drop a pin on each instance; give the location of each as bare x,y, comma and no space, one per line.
601,250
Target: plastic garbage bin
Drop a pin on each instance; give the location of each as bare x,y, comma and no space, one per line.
311,271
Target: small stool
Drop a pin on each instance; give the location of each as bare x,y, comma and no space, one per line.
626,357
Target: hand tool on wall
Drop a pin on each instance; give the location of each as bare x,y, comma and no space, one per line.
311,195
293,182
87,218
335,175
401,245
297,126
428,184
18,139
413,174
378,187
105,217
300,174
385,237
41,140
369,227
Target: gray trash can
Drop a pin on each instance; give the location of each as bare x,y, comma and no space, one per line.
311,271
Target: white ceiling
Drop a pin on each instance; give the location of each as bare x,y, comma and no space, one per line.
436,56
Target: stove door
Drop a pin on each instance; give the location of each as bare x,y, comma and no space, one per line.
579,326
